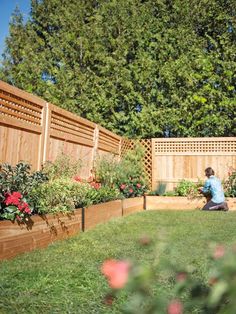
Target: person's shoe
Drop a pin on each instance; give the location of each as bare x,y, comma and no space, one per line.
226,208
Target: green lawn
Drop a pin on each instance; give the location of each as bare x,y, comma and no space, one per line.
66,278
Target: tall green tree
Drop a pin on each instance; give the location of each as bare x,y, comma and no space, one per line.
149,68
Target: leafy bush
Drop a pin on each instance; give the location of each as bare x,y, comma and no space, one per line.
106,194
230,184
186,188
55,196
16,186
127,174
107,170
63,167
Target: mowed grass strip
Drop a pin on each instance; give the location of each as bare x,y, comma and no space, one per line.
66,278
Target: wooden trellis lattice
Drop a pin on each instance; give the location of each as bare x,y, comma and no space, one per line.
128,144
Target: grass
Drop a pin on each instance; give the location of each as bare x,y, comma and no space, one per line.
66,278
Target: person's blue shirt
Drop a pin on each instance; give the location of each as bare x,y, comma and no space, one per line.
213,185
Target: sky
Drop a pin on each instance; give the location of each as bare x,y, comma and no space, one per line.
6,9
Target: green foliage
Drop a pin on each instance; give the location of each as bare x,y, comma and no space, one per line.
230,184
16,186
106,194
55,196
107,170
139,68
186,188
63,167
127,174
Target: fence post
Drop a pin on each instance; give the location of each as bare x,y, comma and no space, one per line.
95,145
46,132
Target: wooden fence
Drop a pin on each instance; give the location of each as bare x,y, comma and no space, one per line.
174,159
35,131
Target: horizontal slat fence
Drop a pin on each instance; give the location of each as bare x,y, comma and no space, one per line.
35,131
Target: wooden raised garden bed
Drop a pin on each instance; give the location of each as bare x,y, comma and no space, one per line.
180,203
38,233
101,213
132,205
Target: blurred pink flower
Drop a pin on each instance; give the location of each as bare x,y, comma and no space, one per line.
122,186
175,307
219,252
181,276
116,272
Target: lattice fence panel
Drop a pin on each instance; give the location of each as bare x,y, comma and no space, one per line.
198,146
147,145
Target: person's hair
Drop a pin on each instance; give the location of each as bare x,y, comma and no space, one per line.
209,172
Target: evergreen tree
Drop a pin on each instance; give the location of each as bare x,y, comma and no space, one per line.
140,68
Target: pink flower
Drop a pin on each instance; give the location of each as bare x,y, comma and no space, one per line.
77,178
131,191
175,307
116,272
219,252
138,185
122,186
95,185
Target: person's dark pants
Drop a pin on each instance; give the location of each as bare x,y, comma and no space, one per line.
214,206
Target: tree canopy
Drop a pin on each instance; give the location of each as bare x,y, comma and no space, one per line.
144,69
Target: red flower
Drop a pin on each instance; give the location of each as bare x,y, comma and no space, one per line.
13,199
175,307
116,272
122,186
24,207
17,194
27,210
138,185
131,190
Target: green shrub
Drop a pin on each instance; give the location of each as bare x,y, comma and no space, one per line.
63,167
127,175
106,194
185,188
55,196
16,186
107,170
230,184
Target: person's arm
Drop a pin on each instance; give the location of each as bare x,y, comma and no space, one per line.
206,187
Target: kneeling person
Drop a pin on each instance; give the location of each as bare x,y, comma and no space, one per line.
213,187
